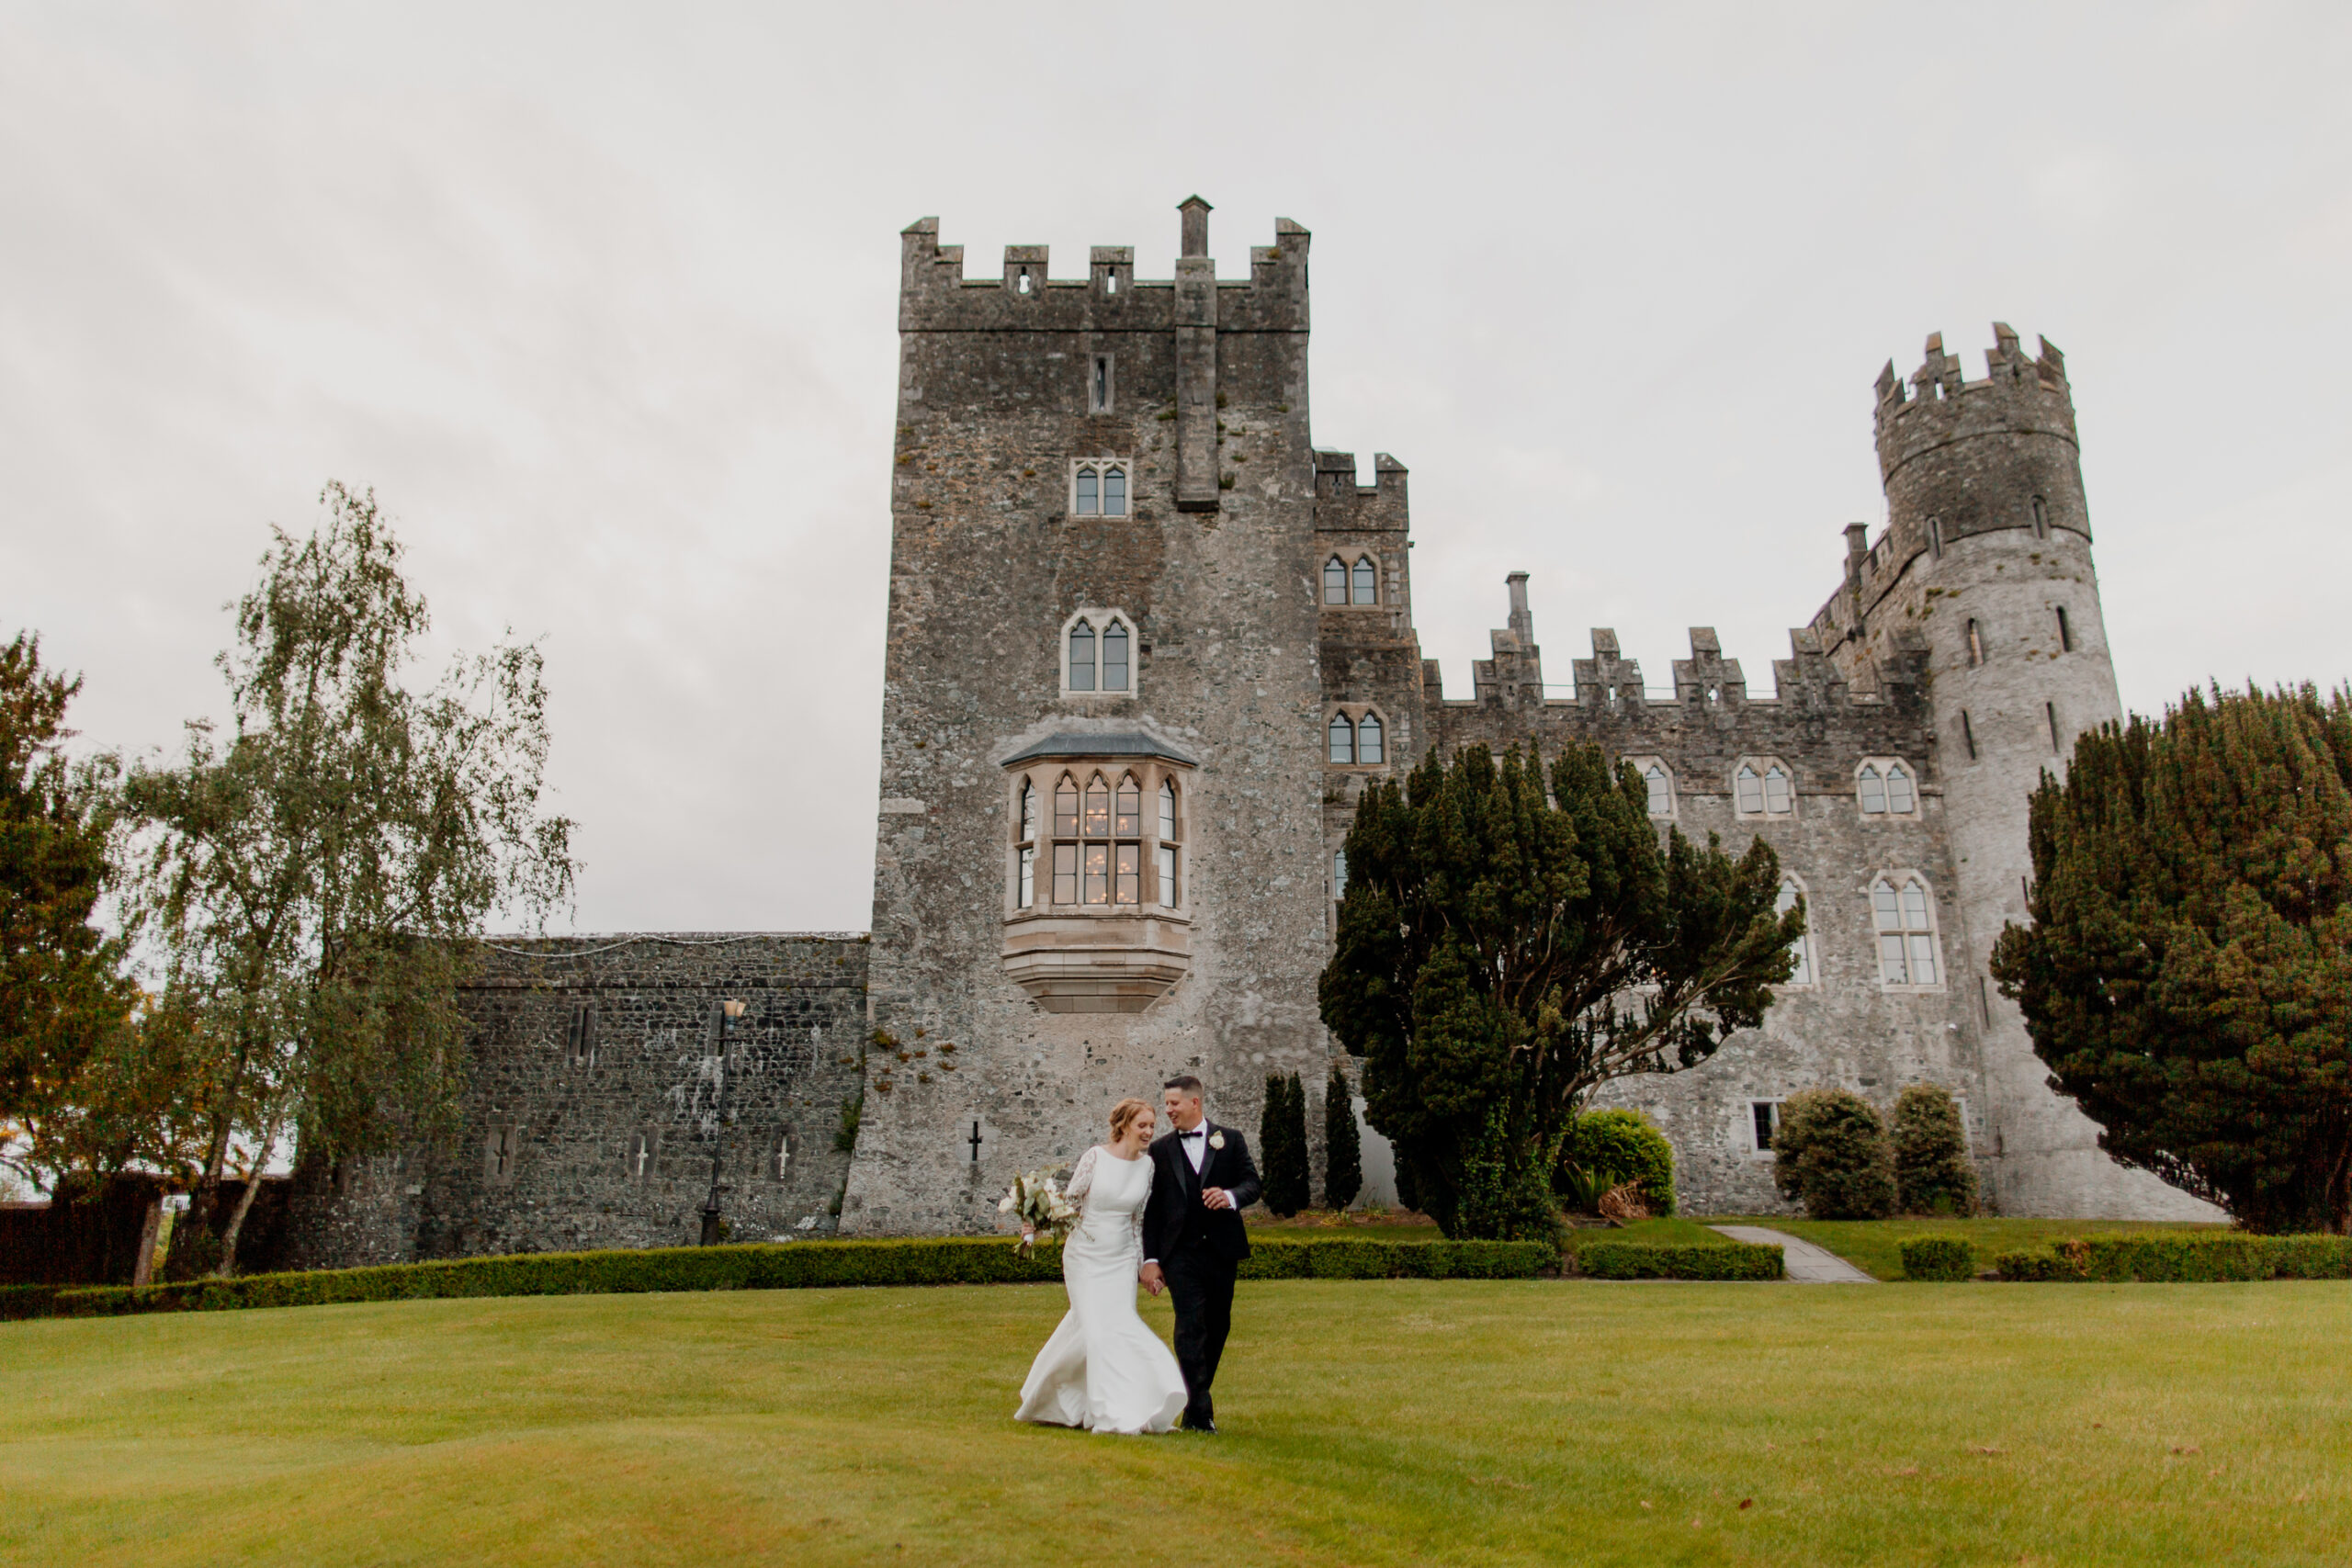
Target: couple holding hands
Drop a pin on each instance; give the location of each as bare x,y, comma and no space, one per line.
1163,1212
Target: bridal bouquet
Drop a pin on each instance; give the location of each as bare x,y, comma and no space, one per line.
1037,1202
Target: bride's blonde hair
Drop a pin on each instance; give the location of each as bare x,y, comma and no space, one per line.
1123,1116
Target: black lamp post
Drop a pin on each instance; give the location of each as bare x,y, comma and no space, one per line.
729,1011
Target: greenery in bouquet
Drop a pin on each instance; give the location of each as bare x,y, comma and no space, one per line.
1036,1200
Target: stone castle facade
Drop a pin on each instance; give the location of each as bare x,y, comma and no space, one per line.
1146,647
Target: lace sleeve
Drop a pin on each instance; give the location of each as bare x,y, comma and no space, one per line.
1150,1175
1081,1181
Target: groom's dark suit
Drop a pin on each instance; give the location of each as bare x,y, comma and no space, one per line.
1198,1248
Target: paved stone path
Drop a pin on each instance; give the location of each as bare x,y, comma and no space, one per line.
1806,1264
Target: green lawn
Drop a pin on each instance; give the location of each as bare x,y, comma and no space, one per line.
1872,1245
1369,1423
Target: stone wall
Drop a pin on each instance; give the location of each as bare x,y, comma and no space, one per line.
575,1138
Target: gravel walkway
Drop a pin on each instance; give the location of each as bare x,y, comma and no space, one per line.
1806,1264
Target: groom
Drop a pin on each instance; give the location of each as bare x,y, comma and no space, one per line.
1193,1239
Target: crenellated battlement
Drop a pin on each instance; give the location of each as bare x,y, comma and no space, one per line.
934,294
2018,396
1343,506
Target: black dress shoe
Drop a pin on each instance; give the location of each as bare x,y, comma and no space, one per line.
1208,1426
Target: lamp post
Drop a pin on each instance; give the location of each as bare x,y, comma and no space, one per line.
729,1011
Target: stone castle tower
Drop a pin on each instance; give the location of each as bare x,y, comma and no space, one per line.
1985,563
1100,859
1146,647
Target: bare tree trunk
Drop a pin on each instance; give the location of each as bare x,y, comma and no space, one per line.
228,1264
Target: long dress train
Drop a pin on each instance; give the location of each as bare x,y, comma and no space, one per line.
1103,1369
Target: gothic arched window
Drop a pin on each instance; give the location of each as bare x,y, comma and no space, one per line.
1872,787
1026,842
1763,789
1371,743
1901,798
1800,949
1342,734
1099,489
1367,581
1660,784
1098,654
1167,836
1905,918
1335,582
1114,657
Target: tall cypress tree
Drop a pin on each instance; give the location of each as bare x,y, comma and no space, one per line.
2188,975
1282,1138
1342,1152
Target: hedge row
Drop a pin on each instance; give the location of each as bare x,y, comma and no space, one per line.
955,1260
26,1300
1938,1257
2184,1258
1693,1260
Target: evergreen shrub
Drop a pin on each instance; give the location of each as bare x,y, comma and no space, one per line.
1938,1257
1830,1153
1933,1174
1282,1146
1342,1149
1622,1144
1693,1260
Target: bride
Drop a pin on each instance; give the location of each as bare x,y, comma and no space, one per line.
1103,1369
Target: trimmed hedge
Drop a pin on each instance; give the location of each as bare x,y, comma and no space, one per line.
1938,1257
2183,1259
1689,1260
946,1260
26,1301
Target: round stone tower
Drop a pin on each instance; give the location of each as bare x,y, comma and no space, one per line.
1985,501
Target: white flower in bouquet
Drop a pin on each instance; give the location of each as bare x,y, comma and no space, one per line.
1037,1202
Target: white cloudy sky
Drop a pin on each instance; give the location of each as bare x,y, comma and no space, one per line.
600,299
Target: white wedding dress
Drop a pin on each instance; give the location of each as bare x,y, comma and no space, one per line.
1103,1369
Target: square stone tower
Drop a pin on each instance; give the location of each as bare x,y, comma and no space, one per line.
1098,859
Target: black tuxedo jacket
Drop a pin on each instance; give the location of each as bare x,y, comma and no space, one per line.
1177,1216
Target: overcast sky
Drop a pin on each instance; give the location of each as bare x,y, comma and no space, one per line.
601,300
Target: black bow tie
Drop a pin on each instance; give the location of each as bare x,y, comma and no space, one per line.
1193,1134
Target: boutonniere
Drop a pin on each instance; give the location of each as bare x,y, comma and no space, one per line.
1216,1140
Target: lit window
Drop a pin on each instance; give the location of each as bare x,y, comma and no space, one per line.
1081,656
1335,582
1339,873
1343,738
1097,855
1366,584
1661,789
1114,657
1907,936
1874,791
1802,949
1371,744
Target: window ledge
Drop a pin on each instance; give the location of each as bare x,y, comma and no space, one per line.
1104,960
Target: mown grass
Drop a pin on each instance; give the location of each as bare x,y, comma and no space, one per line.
1400,1422
1872,1245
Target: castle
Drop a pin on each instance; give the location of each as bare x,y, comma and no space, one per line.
1147,645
